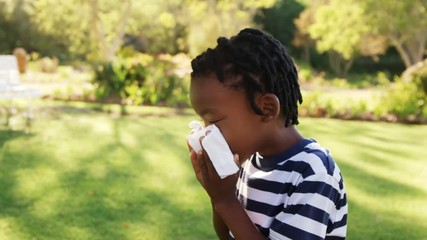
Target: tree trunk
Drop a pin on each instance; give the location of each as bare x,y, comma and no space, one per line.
412,50
338,64
112,49
105,49
306,53
333,62
403,54
97,29
347,65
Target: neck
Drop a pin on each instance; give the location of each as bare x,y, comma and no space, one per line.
280,140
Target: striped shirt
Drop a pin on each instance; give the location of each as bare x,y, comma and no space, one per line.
298,194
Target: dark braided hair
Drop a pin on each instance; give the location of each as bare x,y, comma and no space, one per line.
262,63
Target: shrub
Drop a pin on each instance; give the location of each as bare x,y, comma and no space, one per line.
161,82
74,92
113,78
407,97
418,75
406,100
142,79
310,104
48,65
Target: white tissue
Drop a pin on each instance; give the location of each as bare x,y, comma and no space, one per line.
196,133
216,147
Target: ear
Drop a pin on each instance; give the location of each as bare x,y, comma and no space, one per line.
270,106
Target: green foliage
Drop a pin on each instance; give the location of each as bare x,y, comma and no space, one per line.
405,17
114,78
96,30
366,96
368,27
163,86
74,92
17,29
93,30
398,101
279,20
417,74
344,38
211,19
142,79
159,26
48,65
402,23
406,99
320,104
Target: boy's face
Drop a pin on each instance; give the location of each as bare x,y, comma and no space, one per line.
229,110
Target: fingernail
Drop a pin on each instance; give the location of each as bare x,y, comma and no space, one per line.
236,159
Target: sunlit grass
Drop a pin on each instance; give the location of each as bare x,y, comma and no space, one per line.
82,174
384,169
86,175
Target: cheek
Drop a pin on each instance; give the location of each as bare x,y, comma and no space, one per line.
239,140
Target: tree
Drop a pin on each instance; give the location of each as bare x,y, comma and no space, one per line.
347,27
301,38
402,23
17,29
213,18
95,28
339,29
279,20
161,26
108,37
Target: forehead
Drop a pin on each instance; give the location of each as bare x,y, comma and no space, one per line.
207,92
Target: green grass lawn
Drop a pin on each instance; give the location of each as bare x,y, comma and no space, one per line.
83,174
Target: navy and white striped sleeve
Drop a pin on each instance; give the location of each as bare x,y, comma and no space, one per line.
307,214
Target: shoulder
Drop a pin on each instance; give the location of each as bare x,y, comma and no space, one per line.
313,160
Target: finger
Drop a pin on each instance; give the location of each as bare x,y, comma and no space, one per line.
201,154
198,170
201,162
236,159
194,163
189,147
204,171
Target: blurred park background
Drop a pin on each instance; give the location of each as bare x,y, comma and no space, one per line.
102,154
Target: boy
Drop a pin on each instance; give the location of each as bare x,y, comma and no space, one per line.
288,187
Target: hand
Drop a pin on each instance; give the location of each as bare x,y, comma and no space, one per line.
218,189
229,215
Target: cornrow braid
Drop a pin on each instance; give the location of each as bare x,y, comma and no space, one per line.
262,63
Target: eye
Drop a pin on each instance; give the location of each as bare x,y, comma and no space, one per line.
215,121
